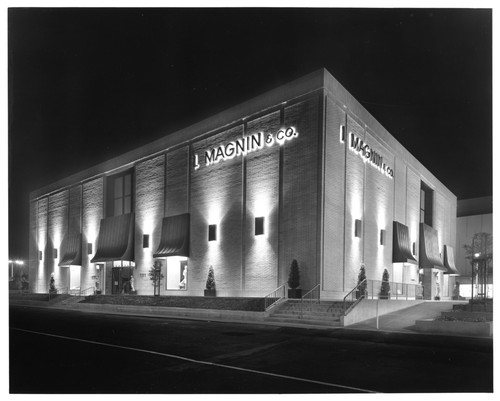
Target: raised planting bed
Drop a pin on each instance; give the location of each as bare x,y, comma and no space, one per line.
456,327
219,303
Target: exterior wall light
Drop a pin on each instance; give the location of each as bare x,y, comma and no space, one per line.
212,232
145,241
414,248
357,228
40,255
259,225
342,133
382,237
55,253
89,248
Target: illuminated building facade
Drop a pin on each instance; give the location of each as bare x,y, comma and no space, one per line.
302,172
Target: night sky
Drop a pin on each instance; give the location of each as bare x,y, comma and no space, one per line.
86,85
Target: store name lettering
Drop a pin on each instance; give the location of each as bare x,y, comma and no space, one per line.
358,146
243,146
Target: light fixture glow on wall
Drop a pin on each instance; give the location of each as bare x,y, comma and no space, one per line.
259,225
145,241
342,133
357,228
212,232
55,253
382,237
89,248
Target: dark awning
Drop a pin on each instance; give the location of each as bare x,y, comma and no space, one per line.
116,239
449,262
174,236
429,248
401,248
71,250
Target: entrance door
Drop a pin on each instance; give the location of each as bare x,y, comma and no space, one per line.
116,281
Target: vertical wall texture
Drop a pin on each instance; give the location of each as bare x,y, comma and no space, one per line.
149,207
378,210
58,225
42,225
216,198
298,237
354,202
92,200
33,247
333,246
177,182
262,200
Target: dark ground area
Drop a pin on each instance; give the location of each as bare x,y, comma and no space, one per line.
54,351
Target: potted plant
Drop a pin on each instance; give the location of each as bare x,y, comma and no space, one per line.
210,285
294,281
385,288
52,285
361,291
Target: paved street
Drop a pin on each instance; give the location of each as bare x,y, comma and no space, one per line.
54,351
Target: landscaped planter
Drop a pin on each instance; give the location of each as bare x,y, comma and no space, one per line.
482,329
294,293
209,293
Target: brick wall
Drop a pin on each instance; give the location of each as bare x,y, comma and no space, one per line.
335,154
216,198
92,193
58,225
149,207
262,200
300,194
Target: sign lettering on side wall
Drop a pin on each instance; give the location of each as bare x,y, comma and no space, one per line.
369,155
243,146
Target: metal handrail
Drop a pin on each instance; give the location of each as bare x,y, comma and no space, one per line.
372,291
274,297
358,299
87,292
309,297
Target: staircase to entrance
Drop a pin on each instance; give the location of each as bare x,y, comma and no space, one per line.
325,313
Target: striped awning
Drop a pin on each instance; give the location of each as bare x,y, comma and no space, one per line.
449,262
429,256
116,239
174,236
401,248
71,250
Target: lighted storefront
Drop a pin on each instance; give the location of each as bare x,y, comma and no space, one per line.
302,172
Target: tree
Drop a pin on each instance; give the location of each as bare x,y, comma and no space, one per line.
385,288
362,280
480,254
210,284
294,275
155,275
52,285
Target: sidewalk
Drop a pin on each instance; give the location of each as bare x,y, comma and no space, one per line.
400,322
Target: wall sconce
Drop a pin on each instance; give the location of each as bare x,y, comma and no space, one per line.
145,241
342,133
382,237
40,255
414,249
259,225
55,253
357,228
212,232
89,248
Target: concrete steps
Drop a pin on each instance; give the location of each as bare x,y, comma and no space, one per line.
326,313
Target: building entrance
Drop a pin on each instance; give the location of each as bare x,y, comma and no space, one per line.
120,280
